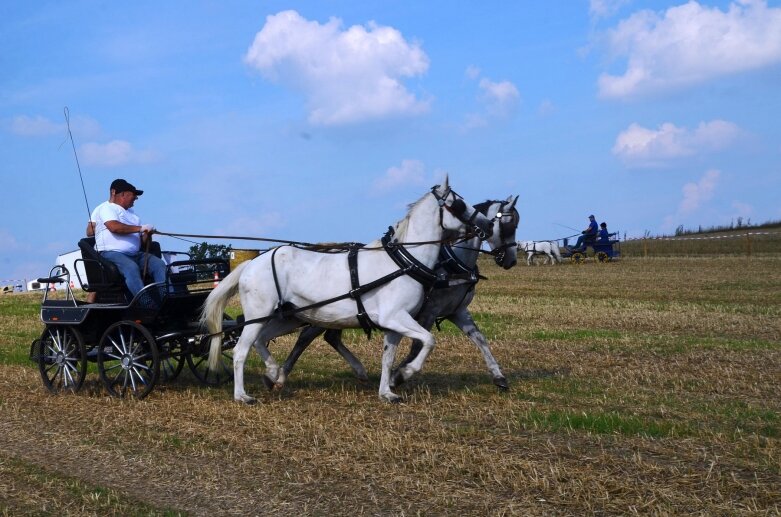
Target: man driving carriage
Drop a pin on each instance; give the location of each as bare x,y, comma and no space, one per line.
119,235
589,235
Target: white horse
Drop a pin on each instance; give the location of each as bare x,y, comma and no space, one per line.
458,263
548,248
287,287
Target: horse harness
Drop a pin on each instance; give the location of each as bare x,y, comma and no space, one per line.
408,265
453,267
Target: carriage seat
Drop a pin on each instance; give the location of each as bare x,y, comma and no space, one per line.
102,275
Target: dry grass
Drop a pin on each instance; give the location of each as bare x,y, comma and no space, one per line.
647,386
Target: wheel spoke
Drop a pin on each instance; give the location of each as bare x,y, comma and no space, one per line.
141,377
67,378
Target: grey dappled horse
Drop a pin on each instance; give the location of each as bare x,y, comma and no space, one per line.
459,262
283,289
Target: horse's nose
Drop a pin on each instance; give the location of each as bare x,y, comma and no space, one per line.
511,264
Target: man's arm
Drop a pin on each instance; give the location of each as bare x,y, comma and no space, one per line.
122,228
90,229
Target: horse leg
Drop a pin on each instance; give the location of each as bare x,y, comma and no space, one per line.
426,320
390,342
334,338
274,376
529,259
407,326
305,339
463,320
248,336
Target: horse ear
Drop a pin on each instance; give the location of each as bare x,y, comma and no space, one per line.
514,201
445,185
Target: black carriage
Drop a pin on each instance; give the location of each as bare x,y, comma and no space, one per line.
135,341
601,251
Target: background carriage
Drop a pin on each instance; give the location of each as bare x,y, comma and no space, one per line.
600,251
134,341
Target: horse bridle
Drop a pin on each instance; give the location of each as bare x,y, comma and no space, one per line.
457,208
506,229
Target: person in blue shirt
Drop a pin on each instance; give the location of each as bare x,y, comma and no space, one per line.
603,237
589,234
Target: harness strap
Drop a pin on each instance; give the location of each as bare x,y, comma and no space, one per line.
288,310
407,262
280,303
455,267
352,263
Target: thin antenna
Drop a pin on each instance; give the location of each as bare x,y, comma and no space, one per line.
73,145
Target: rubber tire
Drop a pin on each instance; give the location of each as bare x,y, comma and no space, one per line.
62,359
128,360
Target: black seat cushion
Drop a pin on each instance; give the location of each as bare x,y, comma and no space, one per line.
102,274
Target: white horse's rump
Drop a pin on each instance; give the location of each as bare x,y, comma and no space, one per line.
548,248
299,278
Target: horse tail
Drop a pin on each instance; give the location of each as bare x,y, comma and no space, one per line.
213,309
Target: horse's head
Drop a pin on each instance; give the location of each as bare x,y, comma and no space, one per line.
456,214
504,220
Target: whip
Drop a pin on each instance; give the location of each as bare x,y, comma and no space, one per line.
78,167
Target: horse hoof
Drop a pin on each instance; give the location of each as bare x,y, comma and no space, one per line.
247,400
391,398
270,385
397,379
501,383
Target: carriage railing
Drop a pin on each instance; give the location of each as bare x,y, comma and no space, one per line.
57,275
196,274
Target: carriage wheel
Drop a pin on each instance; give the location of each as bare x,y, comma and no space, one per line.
171,359
603,257
578,257
128,361
62,359
198,361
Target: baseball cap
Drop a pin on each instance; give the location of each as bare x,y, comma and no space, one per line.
120,185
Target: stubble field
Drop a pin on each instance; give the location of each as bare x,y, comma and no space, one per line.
648,386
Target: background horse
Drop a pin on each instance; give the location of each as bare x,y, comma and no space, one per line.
285,287
459,264
548,248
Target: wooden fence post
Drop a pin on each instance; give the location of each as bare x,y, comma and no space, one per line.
748,243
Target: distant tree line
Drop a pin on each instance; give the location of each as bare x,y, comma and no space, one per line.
735,224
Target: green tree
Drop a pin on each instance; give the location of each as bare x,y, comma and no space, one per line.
204,251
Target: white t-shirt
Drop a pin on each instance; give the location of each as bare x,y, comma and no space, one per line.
107,241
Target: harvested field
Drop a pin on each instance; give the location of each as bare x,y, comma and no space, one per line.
647,386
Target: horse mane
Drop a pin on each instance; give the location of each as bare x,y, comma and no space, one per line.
483,209
400,228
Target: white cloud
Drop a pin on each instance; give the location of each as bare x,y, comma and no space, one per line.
501,98
114,154
743,210
248,225
347,75
695,194
498,100
411,172
689,44
638,145
23,125
604,8
35,126
472,72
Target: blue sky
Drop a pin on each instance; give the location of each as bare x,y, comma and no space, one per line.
320,121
